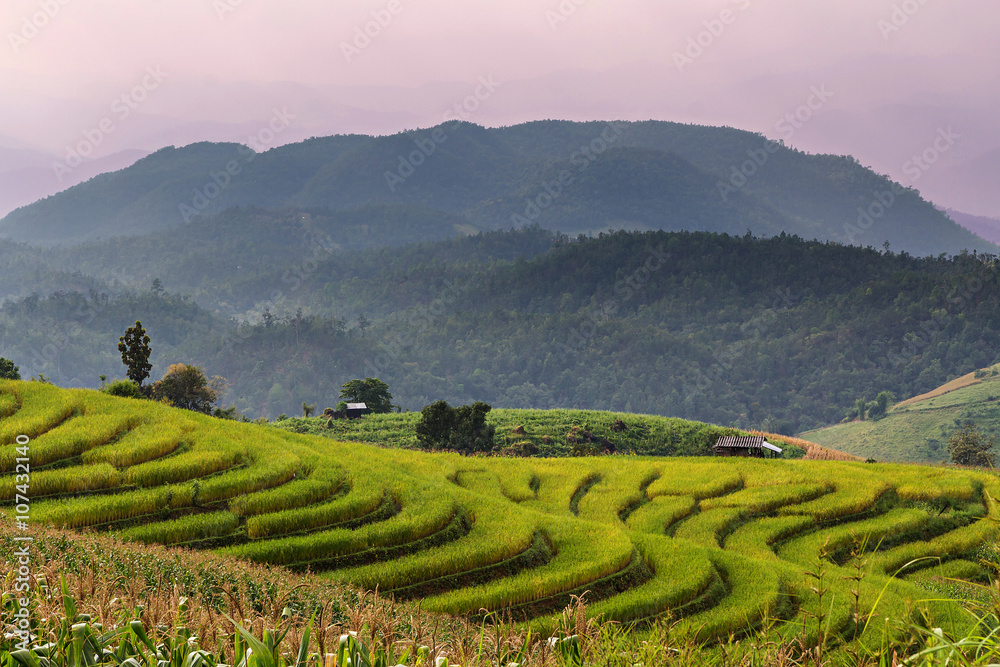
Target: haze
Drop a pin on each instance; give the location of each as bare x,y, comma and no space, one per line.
880,80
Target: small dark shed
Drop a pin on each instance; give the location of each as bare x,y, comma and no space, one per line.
746,445
355,410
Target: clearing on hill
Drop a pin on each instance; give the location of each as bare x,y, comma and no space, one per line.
917,430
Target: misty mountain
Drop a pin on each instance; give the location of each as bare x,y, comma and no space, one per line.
564,176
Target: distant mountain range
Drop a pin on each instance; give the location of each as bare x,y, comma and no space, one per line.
985,227
563,176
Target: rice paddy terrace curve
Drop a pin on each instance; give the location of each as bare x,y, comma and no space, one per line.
721,545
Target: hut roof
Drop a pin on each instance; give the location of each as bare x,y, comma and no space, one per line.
745,442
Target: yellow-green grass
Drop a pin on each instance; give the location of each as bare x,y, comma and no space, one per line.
558,482
465,534
804,549
66,480
855,491
660,513
179,469
40,411
621,489
189,528
757,538
697,478
762,499
708,527
499,532
9,404
756,591
365,498
143,443
949,569
955,542
424,512
585,552
320,485
681,572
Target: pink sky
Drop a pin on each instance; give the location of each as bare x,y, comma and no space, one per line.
229,63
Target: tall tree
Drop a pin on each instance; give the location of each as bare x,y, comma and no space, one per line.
371,391
134,346
8,371
187,387
968,446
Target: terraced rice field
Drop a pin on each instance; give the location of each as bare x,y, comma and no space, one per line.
722,545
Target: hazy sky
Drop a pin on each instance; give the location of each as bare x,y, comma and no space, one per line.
897,70
432,40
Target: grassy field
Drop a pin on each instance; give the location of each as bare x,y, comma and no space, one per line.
553,432
917,430
723,545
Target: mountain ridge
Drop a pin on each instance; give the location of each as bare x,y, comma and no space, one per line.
634,175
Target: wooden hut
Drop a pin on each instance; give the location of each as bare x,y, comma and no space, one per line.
355,410
747,446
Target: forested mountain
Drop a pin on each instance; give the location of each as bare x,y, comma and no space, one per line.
563,176
775,332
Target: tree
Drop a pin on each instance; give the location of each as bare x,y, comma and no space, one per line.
969,447
371,391
880,407
187,387
134,346
434,427
463,429
8,371
861,407
157,286
307,410
471,433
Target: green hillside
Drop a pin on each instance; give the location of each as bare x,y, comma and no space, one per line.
778,334
918,429
550,432
721,544
563,176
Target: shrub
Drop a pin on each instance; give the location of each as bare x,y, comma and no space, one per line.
463,429
122,388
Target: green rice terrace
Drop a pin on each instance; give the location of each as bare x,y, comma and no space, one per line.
721,545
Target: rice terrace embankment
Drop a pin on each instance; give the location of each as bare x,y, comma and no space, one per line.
721,544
